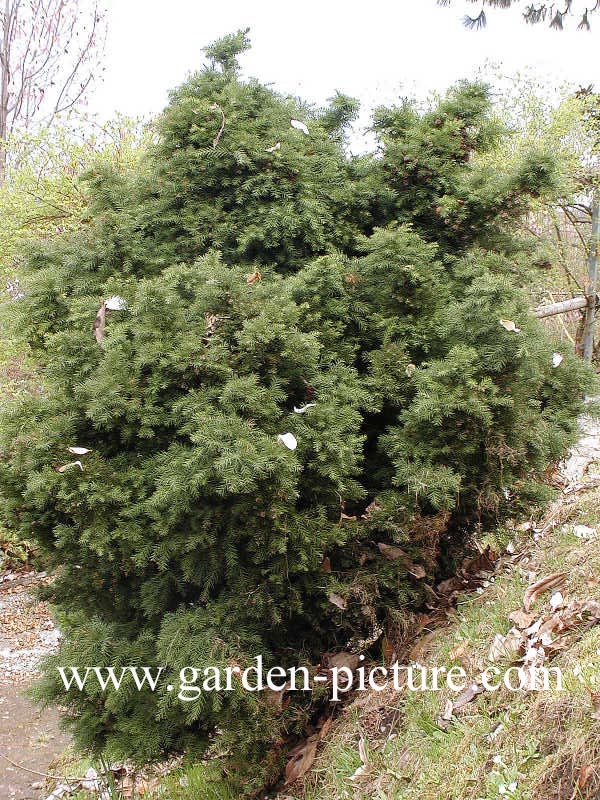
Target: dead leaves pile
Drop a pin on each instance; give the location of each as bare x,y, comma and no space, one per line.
128,783
535,639
473,573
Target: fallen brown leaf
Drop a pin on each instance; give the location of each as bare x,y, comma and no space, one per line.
448,587
302,757
362,751
584,776
521,619
391,552
506,647
469,694
340,660
525,526
417,571
325,727
482,562
541,586
420,646
459,651
371,509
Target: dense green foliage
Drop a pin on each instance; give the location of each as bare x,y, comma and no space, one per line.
258,279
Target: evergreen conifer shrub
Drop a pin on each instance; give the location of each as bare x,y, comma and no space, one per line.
290,372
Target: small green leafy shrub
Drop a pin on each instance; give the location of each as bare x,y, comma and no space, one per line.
265,271
15,553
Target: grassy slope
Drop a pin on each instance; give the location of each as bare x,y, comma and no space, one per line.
541,741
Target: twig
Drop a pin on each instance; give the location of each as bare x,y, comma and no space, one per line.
40,774
217,107
562,322
574,222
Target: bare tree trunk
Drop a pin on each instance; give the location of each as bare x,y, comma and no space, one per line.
588,343
4,87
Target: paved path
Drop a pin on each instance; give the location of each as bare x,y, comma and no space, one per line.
28,737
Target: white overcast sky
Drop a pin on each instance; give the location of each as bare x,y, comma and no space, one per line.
376,51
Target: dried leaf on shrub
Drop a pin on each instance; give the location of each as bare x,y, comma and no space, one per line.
302,757
338,601
254,277
115,303
100,323
304,409
299,126
288,440
541,586
370,509
211,320
509,325
70,465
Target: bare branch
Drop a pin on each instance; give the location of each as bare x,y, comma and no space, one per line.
49,58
